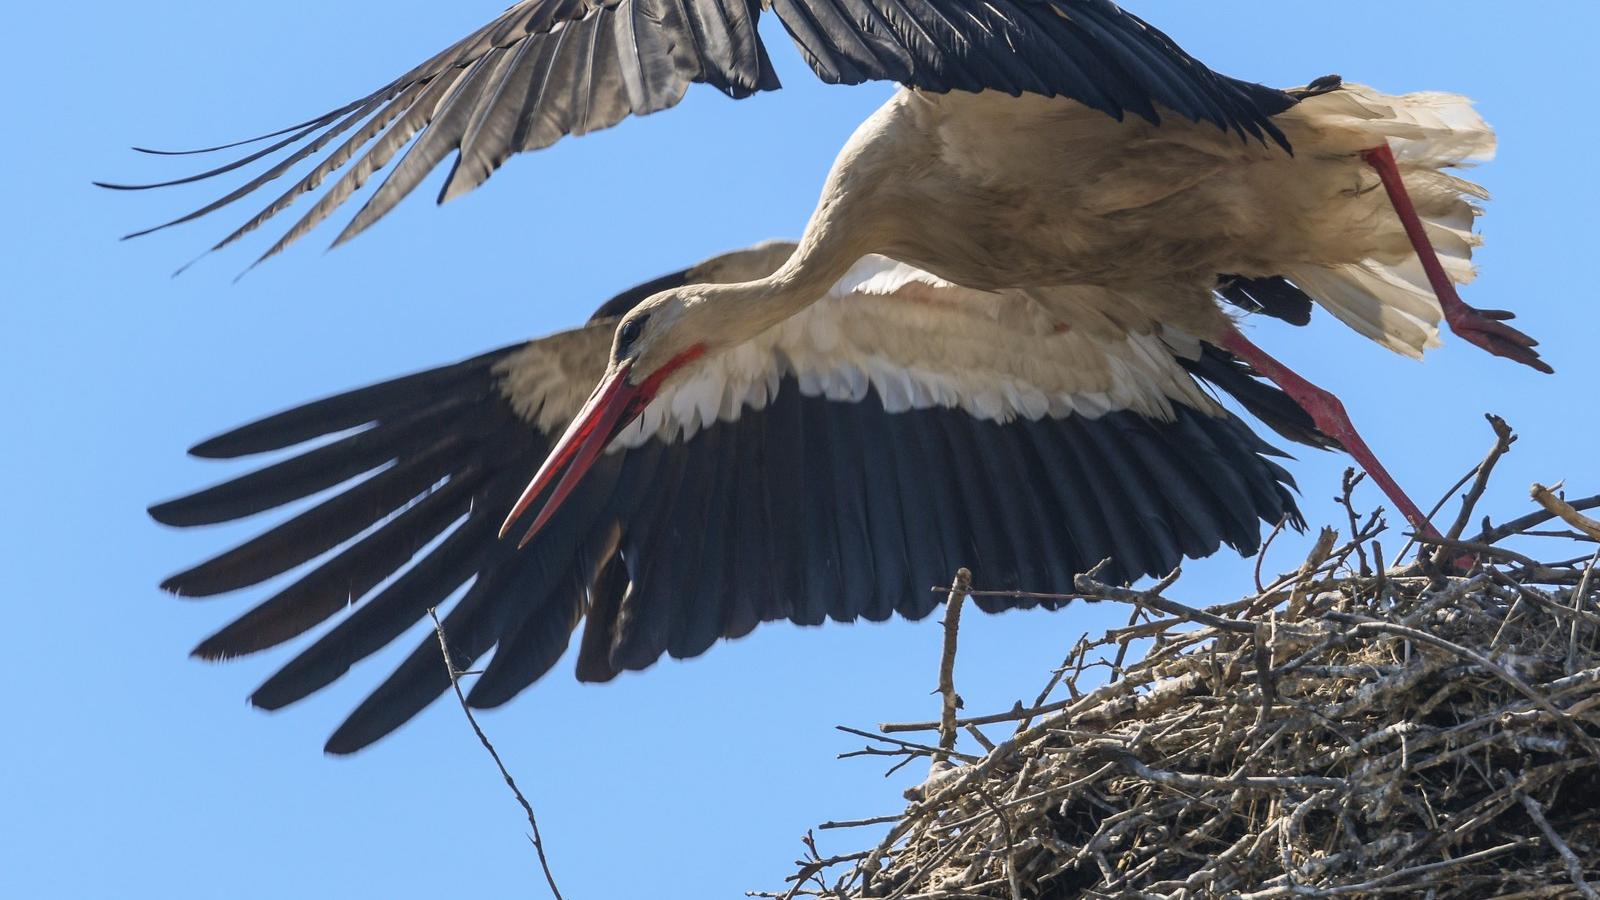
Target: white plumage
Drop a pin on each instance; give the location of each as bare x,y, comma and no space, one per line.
921,342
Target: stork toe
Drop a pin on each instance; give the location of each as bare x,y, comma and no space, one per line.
1487,329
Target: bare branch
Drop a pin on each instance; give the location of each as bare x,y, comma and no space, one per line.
455,682
950,700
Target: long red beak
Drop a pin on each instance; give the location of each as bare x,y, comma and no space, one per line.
584,440
613,406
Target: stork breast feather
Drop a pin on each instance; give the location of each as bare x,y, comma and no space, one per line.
921,342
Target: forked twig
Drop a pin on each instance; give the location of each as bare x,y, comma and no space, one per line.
1504,437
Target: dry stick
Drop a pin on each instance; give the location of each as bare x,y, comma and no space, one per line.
810,868
1546,497
858,823
905,746
1504,437
1261,555
1087,587
1578,595
1479,549
1531,520
1016,713
947,666
980,737
1010,862
1470,499
455,682
1348,483
1574,868
1122,644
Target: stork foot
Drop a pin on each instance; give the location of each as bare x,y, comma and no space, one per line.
1487,329
1484,327
1329,415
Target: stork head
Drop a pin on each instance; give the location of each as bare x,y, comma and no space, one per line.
651,344
654,343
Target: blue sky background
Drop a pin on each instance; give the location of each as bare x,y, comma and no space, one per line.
128,769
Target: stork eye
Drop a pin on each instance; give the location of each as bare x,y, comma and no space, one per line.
628,333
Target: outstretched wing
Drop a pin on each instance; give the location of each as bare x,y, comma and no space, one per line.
542,70
548,68
439,454
831,468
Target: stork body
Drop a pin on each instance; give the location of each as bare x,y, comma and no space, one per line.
1113,228
995,192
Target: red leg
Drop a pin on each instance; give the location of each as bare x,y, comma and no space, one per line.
1326,410
1484,327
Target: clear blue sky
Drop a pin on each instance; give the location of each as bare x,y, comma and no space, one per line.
128,769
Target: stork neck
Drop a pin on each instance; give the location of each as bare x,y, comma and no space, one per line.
806,277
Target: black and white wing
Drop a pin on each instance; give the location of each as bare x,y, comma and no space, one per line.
834,468
548,68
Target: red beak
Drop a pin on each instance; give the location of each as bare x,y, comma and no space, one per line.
612,407
584,440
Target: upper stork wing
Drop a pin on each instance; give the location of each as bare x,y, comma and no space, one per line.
1091,51
549,68
542,70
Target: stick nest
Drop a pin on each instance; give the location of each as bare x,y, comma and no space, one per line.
1346,731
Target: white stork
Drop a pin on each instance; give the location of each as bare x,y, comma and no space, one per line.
1003,288
1008,160
1108,225
836,466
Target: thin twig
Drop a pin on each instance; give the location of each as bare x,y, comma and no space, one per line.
1349,482
455,682
1261,555
1015,714
905,746
1504,437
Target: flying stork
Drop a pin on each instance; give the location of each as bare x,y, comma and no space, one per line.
1055,169
835,467
1008,159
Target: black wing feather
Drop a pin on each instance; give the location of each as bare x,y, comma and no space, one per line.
929,528
1276,297
377,402
315,470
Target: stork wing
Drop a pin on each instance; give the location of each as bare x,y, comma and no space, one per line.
548,68
836,467
444,453
542,70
